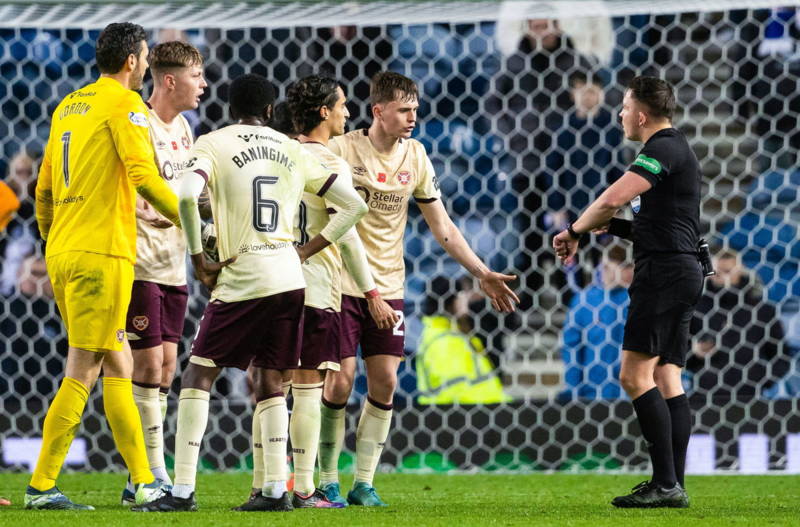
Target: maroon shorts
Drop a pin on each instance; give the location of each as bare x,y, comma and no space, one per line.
321,329
156,314
359,328
266,331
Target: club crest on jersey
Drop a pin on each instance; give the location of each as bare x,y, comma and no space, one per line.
140,322
138,119
185,142
381,177
403,177
636,204
120,335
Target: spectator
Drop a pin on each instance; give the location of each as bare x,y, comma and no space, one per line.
739,348
530,92
22,232
452,367
584,159
592,335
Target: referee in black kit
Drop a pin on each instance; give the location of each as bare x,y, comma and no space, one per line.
663,188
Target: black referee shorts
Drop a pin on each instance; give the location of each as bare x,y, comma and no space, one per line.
664,293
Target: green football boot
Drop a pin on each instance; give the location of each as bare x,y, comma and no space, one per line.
333,493
364,495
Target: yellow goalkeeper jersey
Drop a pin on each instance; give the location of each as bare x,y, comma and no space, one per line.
98,155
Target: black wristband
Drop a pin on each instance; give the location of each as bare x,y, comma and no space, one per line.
574,235
620,228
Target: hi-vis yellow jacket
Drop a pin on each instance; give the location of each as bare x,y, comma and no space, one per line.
452,368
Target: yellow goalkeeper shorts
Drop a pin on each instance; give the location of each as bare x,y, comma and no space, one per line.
92,292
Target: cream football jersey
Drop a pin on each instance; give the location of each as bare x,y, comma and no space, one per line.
256,178
161,253
386,182
323,271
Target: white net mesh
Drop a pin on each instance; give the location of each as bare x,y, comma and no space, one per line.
518,113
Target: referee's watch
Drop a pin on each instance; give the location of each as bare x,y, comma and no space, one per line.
574,235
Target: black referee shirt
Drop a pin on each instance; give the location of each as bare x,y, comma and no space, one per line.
667,217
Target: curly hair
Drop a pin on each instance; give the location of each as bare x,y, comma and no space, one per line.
282,119
306,97
388,86
250,95
116,43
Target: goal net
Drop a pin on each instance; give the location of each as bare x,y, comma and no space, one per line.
519,104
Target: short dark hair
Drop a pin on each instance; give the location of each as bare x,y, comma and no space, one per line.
175,54
250,95
116,43
584,78
282,119
654,93
306,97
388,86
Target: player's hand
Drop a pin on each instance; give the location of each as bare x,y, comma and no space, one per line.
149,215
207,271
494,286
382,313
565,246
301,252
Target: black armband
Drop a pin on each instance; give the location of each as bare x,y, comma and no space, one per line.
620,228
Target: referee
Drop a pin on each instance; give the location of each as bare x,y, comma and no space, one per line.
663,188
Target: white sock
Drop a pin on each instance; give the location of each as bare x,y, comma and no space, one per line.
371,434
331,439
274,489
162,400
258,453
192,421
147,401
304,427
274,417
182,491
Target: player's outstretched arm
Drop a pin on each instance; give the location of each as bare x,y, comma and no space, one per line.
44,194
192,184
494,285
355,261
599,213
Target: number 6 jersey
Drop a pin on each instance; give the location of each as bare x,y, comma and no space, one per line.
256,177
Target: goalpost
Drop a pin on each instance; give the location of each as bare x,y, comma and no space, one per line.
503,119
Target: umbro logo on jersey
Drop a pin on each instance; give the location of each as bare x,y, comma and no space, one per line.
360,171
161,145
404,178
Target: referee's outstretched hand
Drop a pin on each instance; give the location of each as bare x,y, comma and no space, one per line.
565,246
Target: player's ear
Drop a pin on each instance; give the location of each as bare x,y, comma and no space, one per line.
377,111
268,113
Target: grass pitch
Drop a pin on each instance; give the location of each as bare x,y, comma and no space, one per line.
436,500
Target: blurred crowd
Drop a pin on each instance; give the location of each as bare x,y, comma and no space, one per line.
520,120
